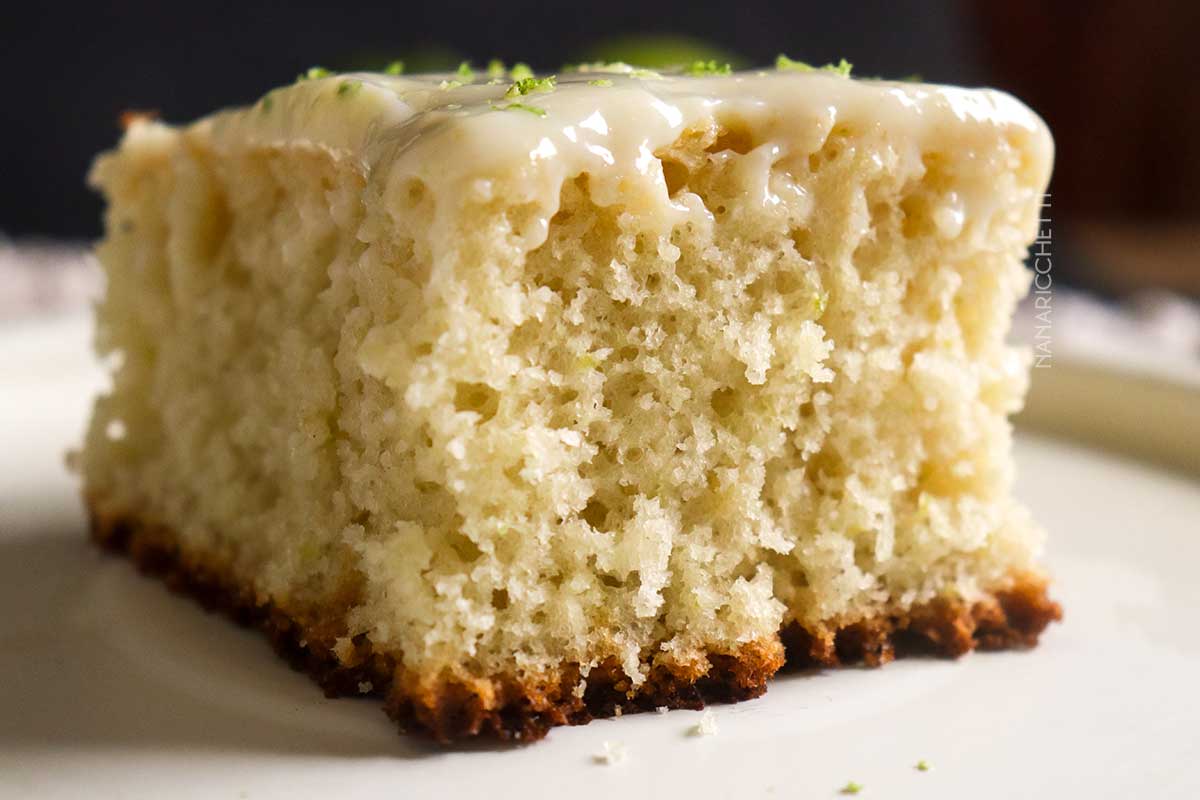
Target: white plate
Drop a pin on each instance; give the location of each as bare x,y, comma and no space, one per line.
110,686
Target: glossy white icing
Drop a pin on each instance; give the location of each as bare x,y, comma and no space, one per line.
458,139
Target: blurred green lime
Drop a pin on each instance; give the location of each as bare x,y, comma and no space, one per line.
658,51
426,58
643,50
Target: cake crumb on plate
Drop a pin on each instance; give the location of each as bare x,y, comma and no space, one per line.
707,726
611,753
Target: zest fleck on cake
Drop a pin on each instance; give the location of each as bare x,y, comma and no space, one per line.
521,401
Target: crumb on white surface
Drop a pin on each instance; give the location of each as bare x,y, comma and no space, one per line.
611,753
707,726
617,711
661,710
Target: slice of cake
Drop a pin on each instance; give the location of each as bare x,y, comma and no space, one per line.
516,402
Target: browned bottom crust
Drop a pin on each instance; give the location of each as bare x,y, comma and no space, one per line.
523,708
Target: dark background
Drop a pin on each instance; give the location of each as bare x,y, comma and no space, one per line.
1116,80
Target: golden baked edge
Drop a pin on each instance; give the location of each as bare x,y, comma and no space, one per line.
520,708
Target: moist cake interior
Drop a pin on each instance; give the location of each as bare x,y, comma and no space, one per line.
497,400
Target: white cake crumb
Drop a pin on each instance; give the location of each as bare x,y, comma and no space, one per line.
611,753
707,726
365,687
661,710
617,711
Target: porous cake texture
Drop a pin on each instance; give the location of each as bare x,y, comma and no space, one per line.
525,401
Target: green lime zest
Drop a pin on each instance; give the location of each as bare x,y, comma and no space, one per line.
710,67
347,88
520,71
782,62
851,788
537,111
465,72
786,64
495,68
394,68
600,82
526,86
313,73
842,68
922,766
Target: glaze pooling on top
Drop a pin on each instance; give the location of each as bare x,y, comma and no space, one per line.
449,135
